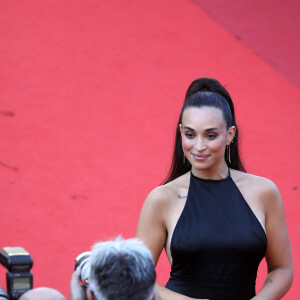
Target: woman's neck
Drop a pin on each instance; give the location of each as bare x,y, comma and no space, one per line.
212,173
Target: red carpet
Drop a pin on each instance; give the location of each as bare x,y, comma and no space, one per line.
269,29
90,93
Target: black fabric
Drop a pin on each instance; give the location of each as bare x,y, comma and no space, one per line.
217,243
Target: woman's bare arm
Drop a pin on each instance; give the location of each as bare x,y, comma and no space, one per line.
279,255
151,227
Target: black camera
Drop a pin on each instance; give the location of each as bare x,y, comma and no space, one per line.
19,279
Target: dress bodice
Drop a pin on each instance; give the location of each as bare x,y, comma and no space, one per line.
217,243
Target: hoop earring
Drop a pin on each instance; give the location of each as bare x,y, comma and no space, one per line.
228,153
183,159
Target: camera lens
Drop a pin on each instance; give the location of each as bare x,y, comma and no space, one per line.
83,261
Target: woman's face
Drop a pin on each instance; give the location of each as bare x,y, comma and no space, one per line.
204,138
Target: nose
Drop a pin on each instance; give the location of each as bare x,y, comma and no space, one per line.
200,145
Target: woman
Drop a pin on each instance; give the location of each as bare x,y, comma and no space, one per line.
215,221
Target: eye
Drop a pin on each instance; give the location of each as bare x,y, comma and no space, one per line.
211,136
189,135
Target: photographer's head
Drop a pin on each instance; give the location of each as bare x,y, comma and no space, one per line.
121,270
42,293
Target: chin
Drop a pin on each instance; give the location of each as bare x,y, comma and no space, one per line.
204,165
201,166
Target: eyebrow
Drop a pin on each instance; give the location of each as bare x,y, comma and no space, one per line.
207,129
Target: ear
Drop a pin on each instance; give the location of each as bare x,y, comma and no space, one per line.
89,294
230,134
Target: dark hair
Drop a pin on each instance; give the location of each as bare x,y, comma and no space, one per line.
205,92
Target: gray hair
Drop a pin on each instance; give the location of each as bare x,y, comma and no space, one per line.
122,270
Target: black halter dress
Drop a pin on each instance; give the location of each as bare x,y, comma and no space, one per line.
217,243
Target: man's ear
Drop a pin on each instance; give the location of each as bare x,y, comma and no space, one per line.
89,294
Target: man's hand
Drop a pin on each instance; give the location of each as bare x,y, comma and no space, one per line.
77,291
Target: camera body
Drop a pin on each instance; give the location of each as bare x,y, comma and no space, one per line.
83,261
18,263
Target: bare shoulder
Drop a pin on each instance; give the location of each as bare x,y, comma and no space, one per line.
155,215
159,196
162,195
262,188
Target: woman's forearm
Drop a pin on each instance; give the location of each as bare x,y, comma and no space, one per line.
276,285
166,294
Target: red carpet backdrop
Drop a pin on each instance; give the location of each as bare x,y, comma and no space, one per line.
90,92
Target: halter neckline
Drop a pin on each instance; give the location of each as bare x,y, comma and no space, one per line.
212,180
